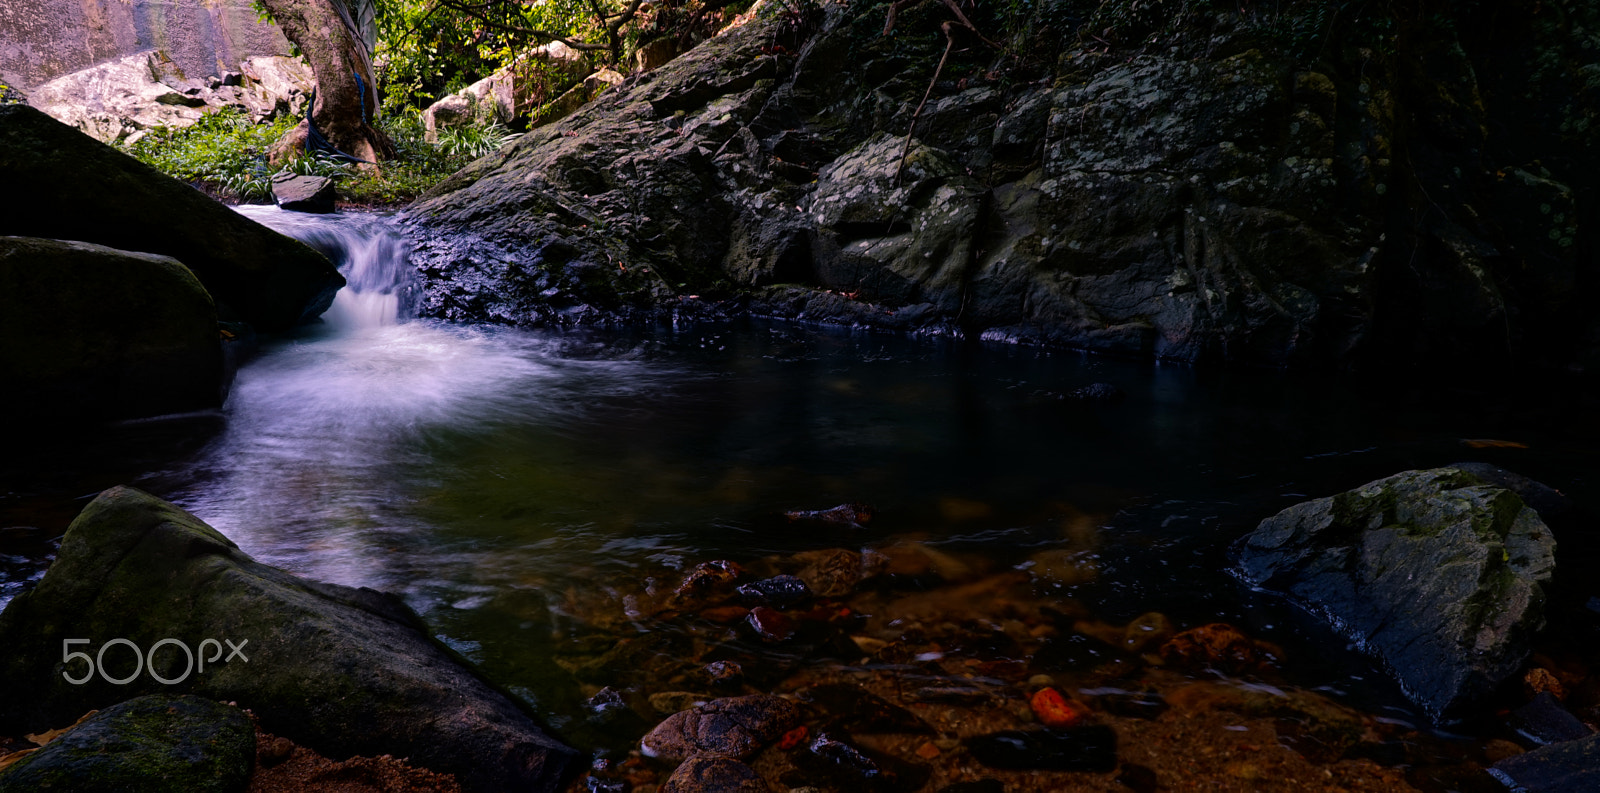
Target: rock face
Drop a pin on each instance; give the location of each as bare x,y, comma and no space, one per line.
304,193
110,101
151,743
343,671
1438,574
61,184
1211,199
95,333
44,39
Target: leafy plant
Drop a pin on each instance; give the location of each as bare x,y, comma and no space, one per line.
475,141
10,96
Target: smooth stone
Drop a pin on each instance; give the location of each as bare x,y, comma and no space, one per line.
1092,748
734,726
295,193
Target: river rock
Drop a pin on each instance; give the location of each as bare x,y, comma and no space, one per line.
112,99
304,193
711,773
1439,575
343,671
62,184
1568,767
734,726
157,742
89,332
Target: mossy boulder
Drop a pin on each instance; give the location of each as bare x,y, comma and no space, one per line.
149,744
63,184
89,332
1438,574
343,671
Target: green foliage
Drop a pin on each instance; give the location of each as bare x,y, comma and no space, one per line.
224,153
476,141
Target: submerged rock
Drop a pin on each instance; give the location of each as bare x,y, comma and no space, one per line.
712,773
62,184
1438,574
1568,767
343,671
736,727
89,332
831,759
157,742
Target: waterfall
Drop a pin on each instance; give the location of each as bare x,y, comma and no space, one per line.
369,252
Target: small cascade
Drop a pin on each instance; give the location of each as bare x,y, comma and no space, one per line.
369,252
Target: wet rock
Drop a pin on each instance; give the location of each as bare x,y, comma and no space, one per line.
1091,748
781,592
710,773
1437,573
833,573
61,184
772,626
1219,646
1544,721
296,193
1053,710
1550,503
1568,767
88,332
153,742
852,709
340,670
736,726
831,759
709,579
723,675
1146,632
854,515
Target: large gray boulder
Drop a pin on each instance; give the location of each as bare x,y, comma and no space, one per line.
89,332
61,184
1438,574
1207,197
148,744
343,671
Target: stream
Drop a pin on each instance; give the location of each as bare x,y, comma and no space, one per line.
527,490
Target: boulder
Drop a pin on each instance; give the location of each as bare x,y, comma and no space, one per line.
61,184
112,99
1210,198
89,332
343,671
153,743
1439,575
304,193
1566,767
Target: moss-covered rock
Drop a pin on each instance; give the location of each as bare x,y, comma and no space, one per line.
88,332
149,744
1438,574
343,671
62,184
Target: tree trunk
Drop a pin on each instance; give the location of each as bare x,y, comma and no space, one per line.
347,97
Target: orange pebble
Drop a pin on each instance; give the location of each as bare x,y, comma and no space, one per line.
793,738
1054,710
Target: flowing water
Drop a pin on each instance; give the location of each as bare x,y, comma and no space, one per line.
510,484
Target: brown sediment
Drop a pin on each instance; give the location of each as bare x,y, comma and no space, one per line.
285,767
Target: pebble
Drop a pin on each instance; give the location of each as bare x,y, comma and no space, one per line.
771,625
784,591
734,726
829,758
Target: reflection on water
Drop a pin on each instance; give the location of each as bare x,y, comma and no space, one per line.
519,487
